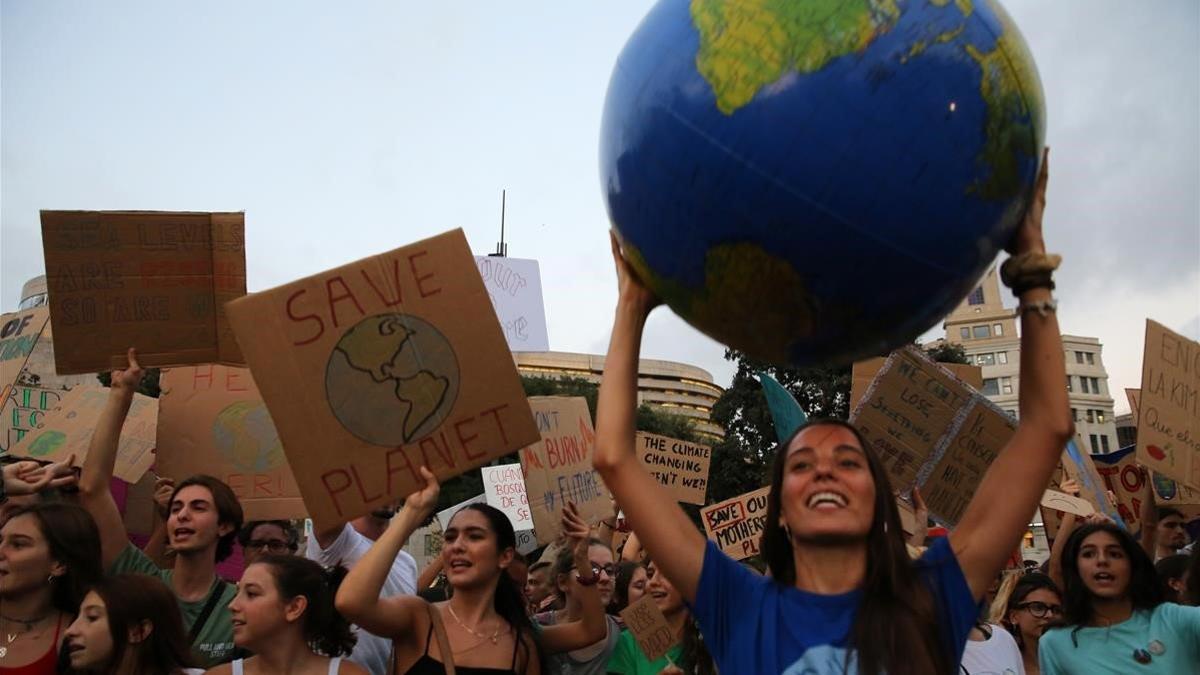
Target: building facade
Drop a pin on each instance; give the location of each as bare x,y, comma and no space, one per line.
987,331
675,388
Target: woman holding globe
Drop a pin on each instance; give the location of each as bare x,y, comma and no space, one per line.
843,595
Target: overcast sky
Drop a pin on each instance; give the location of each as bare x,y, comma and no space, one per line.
347,129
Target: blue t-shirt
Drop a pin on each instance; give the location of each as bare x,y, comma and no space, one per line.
1110,649
753,625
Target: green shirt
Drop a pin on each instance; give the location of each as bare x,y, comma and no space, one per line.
214,644
628,659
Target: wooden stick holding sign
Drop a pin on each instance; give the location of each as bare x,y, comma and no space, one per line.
649,627
376,368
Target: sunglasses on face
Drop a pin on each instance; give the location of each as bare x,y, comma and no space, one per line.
1040,610
272,545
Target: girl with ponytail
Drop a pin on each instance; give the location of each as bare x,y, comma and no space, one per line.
483,628
284,613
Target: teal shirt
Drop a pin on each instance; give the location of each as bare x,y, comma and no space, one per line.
214,644
628,659
1110,650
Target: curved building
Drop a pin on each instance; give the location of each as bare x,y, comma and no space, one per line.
675,388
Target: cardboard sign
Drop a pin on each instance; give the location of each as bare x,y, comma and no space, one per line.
444,516
212,420
515,288
67,430
737,524
864,372
1135,398
154,280
1061,501
23,411
139,506
932,430
558,468
679,466
504,488
1168,439
378,367
649,627
19,333
1121,475
527,541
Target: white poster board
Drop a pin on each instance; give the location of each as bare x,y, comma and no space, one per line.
504,488
444,516
515,287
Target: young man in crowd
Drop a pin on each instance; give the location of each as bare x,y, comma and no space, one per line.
1170,535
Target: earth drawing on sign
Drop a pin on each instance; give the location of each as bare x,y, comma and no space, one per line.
391,379
245,435
47,443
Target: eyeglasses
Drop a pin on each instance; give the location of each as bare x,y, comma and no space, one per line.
609,569
1039,610
272,545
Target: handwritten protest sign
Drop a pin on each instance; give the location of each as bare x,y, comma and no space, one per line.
212,420
649,627
154,280
1124,477
23,412
737,524
504,487
19,332
1061,501
864,372
67,430
680,466
932,430
1134,396
378,367
1169,406
515,288
558,468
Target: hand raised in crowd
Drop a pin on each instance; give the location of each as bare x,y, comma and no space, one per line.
920,508
1028,237
163,489
131,377
1069,486
30,477
577,532
629,287
422,502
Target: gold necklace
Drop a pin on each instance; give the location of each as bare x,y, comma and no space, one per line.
494,637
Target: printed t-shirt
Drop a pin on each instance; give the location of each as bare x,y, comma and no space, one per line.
753,625
214,644
1110,649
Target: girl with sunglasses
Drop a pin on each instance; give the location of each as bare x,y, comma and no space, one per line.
1114,618
592,659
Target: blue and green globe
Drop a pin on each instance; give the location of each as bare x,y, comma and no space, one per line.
817,181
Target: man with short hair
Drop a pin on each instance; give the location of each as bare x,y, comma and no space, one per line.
539,586
1170,535
204,518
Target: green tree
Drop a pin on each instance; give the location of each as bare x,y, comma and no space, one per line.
946,352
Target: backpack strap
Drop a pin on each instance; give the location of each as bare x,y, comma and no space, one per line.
213,597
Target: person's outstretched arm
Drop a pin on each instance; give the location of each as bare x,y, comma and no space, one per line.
95,491
1148,514
358,597
591,627
921,516
672,540
1011,490
430,573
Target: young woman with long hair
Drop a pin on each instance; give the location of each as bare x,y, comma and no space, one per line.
284,614
629,586
1034,604
483,627
129,624
843,594
1114,619
688,656
592,659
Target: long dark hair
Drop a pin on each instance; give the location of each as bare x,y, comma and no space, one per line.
324,628
1192,592
130,600
896,629
625,571
1172,568
1144,591
1028,583
509,603
74,542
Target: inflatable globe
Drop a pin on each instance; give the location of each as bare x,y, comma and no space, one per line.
819,181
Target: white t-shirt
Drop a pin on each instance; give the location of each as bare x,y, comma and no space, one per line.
997,655
371,651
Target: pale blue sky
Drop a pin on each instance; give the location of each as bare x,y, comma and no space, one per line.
347,129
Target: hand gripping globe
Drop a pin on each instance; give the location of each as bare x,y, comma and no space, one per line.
817,181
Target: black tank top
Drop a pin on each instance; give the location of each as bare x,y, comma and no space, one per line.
427,665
